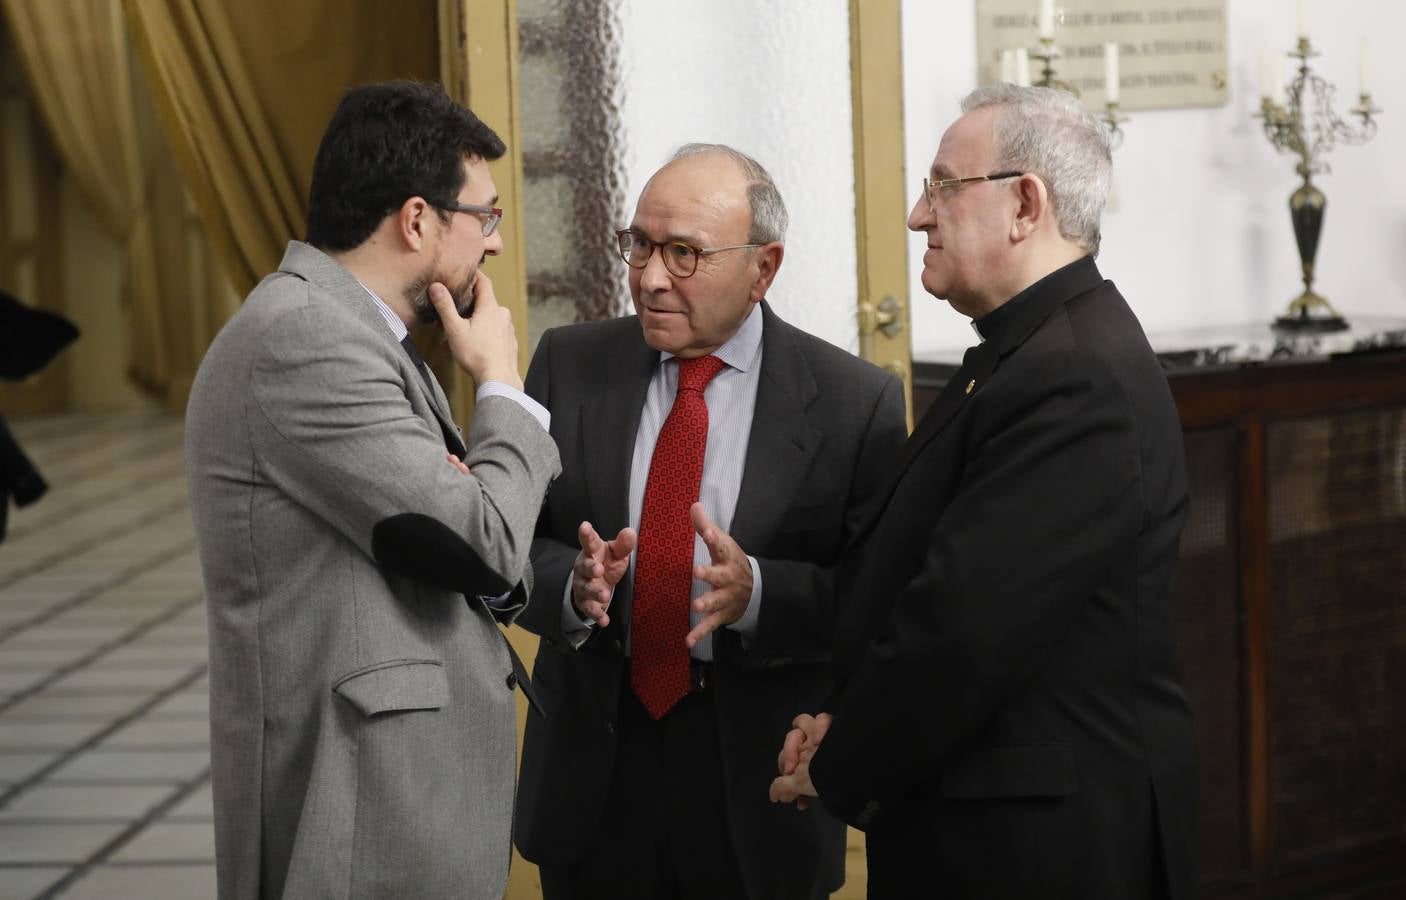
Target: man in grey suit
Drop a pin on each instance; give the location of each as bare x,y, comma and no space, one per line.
361,693
646,774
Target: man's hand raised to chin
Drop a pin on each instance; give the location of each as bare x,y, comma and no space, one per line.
484,345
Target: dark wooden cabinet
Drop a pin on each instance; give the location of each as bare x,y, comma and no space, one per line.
1291,617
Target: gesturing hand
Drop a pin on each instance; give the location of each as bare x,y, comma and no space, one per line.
597,570
729,577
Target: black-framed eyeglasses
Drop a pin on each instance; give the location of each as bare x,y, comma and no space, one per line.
491,215
679,258
948,186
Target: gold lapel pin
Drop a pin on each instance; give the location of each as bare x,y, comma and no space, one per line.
971,384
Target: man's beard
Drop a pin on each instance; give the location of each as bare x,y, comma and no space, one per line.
418,293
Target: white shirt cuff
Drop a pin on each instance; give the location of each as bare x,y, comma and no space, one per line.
571,625
499,389
746,626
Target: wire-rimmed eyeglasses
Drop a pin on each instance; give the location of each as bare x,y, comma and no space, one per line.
948,186
679,258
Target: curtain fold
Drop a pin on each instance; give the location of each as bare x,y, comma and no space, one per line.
74,53
243,101
219,133
77,60
230,109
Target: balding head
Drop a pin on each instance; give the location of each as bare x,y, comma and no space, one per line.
768,211
698,267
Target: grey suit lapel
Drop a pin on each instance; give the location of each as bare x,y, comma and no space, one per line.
310,264
782,441
439,403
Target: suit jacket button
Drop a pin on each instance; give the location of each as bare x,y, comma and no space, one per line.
609,727
512,680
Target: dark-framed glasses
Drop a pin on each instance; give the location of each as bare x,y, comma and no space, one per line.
491,215
948,186
679,258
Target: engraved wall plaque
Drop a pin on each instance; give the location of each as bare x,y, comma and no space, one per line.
1173,53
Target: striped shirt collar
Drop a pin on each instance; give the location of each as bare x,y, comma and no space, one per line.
397,326
741,350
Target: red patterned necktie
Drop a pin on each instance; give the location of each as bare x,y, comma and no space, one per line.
659,621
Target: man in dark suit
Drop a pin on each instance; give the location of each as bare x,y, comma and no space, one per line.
647,775
1010,720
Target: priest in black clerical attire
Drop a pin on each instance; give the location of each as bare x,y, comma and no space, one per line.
1009,720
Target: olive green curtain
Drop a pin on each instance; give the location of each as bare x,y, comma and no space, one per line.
77,61
244,98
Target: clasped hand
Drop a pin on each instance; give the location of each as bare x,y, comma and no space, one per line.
793,784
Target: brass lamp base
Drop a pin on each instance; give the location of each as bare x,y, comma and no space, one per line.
1307,325
1300,320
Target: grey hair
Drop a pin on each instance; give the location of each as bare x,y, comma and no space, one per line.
769,218
1049,133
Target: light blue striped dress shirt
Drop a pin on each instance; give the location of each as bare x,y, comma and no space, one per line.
731,397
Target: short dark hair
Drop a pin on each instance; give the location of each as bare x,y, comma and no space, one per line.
387,142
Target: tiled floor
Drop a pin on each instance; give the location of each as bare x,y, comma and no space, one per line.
104,741
104,744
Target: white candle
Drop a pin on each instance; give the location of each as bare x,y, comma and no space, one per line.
1008,66
1022,67
1266,73
1047,18
1363,85
1277,95
1110,73
1303,19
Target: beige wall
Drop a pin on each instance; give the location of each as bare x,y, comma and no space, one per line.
92,263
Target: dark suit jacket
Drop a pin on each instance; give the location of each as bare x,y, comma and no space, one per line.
827,428
1010,721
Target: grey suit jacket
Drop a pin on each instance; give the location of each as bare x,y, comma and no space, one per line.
362,722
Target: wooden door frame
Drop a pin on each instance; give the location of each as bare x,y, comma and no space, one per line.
478,41
880,198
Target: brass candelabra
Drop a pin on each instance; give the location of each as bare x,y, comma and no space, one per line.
1310,131
1112,117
